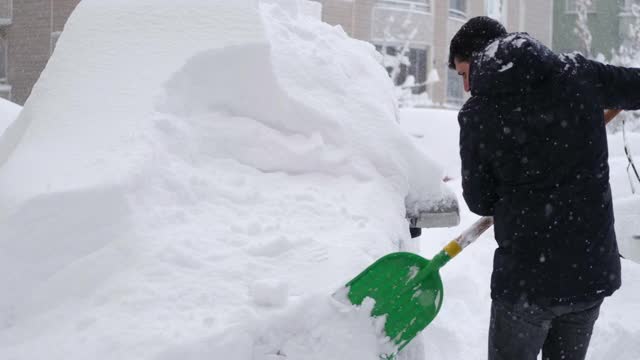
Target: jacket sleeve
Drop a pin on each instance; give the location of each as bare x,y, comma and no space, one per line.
478,180
617,87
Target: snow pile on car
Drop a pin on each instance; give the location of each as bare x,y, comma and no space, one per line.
193,179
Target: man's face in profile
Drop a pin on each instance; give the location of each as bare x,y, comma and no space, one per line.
462,67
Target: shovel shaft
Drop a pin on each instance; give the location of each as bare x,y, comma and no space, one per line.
453,248
610,114
472,233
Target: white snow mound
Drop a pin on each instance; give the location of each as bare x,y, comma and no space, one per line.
193,168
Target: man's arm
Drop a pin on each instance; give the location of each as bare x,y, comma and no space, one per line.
478,181
618,87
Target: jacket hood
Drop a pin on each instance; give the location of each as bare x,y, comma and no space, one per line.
514,64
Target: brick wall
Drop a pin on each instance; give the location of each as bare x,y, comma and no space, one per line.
62,9
440,10
338,12
28,41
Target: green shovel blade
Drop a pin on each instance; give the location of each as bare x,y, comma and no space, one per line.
409,301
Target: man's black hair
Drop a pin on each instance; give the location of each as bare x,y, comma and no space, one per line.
472,37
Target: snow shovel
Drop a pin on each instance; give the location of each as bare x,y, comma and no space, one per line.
407,288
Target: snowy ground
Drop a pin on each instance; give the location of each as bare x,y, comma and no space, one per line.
463,320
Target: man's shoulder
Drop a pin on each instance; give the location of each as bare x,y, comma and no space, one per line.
574,63
473,103
478,117
475,108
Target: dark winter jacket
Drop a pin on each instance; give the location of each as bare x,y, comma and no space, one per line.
534,155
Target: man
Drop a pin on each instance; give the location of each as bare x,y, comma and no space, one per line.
534,156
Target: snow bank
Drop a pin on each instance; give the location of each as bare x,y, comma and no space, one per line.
316,328
627,212
627,204
189,174
435,131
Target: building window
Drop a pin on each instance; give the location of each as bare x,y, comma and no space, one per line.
419,6
458,9
395,25
408,69
572,7
54,40
495,9
628,5
455,88
6,12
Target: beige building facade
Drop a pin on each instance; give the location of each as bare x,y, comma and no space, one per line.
29,30
427,26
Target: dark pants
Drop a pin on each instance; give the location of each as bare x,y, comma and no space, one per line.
519,331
